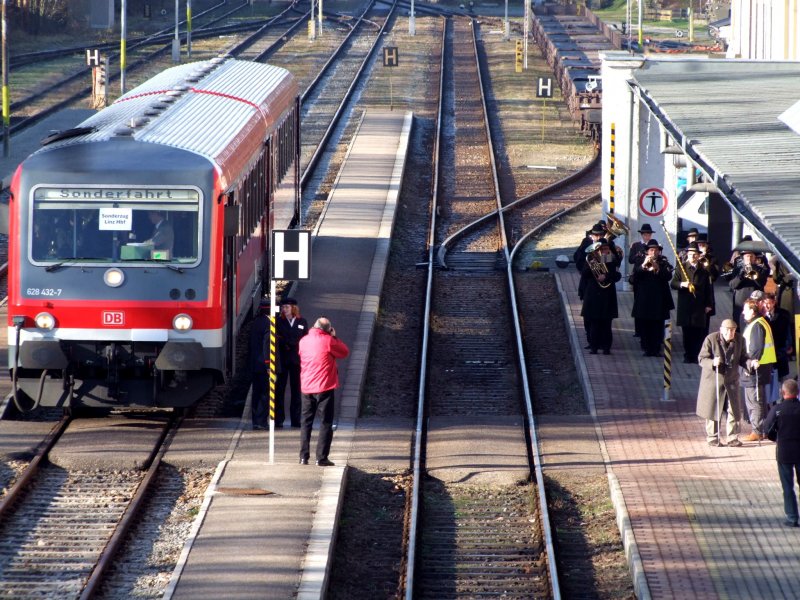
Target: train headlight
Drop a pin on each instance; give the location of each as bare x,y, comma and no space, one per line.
45,321
182,322
114,277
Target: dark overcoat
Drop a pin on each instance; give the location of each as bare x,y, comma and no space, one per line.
653,298
600,302
727,384
692,307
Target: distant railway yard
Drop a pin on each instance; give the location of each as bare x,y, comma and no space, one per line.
468,334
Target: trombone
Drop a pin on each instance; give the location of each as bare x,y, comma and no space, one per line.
678,260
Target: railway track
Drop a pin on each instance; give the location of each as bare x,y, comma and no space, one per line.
464,541
62,528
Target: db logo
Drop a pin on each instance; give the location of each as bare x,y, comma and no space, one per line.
113,317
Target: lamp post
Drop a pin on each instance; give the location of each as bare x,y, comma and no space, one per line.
176,43
123,34
189,28
506,28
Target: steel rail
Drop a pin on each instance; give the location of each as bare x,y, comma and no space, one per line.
152,464
312,162
420,429
39,116
545,191
21,484
42,55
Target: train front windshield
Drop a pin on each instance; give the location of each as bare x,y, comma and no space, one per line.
114,224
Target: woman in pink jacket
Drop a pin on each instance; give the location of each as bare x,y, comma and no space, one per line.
319,377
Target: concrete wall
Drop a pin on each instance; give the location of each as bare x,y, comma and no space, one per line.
640,166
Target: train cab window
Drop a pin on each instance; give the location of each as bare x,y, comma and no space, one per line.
115,225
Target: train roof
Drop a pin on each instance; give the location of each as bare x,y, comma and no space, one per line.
221,109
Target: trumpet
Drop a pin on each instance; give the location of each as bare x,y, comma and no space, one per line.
750,273
704,262
651,264
727,270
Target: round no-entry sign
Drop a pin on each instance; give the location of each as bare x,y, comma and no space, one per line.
653,202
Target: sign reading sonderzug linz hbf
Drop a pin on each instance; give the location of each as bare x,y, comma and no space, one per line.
291,254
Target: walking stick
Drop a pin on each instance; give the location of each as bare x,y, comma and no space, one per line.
718,415
761,408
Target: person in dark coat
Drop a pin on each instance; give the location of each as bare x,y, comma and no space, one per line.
749,275
290,328
636,256
653,300
721,354
691,238
594,235
780,321
259,369
786,417
600,296
695,301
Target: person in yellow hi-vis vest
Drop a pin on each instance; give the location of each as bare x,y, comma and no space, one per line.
760,347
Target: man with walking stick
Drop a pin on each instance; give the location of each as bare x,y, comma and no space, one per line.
721,355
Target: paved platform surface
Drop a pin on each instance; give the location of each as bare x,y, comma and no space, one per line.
277,544
697,521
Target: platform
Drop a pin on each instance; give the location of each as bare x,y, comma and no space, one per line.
266,530
697,521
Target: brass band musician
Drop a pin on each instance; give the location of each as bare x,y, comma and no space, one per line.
598,281
748,275
695,302
653,300
636,255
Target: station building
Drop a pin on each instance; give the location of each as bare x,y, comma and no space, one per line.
707,143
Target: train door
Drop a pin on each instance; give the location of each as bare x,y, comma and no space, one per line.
231,229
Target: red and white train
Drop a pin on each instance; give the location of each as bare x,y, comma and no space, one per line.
139,240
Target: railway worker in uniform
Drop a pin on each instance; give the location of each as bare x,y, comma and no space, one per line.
163,237
760,349
319,377
600,295
653,301
290,328
785,416
259,370
695,302
636,254
748,275
721,355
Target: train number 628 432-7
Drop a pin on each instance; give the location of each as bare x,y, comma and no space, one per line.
43,292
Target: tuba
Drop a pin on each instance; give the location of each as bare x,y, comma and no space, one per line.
596,264
616,227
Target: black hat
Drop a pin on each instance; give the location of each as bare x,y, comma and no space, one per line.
702,237
654,244
288,300
693,247
597,229
692,231
645,228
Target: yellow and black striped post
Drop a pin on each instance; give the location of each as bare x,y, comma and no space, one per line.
273,377
667,359
611,197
